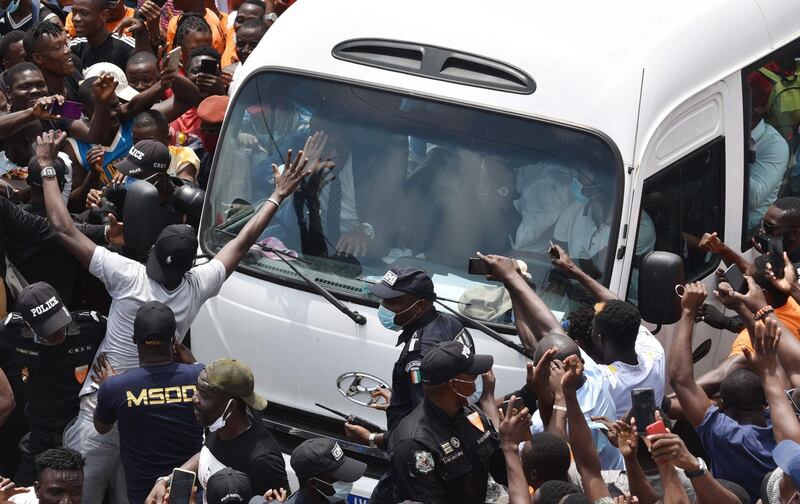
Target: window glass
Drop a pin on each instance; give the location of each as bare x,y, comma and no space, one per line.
772,113
679,205
414,182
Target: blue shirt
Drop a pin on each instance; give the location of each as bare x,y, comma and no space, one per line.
740,453
157,428
118,149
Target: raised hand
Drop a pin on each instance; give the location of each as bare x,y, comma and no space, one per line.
789,279
765,343
557,373
538,377
104,86
132,24
710,242
294,172
693,297
102,369
501,268
515,428
48,144
564,262
115,233
379,393
275,495
9,489
573,374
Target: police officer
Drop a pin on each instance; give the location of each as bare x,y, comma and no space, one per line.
445,449
407,294
54,349
324,472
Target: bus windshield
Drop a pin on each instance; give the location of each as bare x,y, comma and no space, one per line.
409,181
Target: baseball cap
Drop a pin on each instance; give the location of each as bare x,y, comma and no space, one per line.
41,307
172,254
154,324
402,280
447,360
35,172
123,90
319,456
212,109
233,378
787,456
145,156
228,486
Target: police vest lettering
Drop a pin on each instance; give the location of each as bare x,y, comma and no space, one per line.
43,308
161,395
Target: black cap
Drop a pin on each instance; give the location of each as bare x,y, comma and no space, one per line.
154,324
228,486
41,307
404,280
144,157
35,172
447,360
323,456
172,255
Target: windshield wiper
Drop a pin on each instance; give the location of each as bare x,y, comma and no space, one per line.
322,291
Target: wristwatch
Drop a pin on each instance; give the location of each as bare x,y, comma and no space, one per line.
372,443
271,17
48,172
368,230
701,469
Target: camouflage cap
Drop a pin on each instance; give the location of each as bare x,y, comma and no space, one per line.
233,378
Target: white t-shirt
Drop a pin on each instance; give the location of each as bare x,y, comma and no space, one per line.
649,373
129,286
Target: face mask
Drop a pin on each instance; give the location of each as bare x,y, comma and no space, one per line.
576,188
340,490
43,341
469,398
12,7
475,397
220,422
387,317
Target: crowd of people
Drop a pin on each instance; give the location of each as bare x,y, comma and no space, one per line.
110,119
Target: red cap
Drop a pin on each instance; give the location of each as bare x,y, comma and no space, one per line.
212,109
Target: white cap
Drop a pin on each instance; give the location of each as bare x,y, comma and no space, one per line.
123,91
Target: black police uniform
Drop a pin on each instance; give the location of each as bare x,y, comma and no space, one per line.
419,337
436,458
54,376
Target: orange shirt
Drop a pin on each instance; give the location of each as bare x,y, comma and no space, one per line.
788,314
219,30
230,57
110,26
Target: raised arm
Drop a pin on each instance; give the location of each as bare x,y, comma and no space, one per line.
710,242
764,361
47,145
789,348
537,313
96,131
14,121
693,399
185,95
285,185
580,437
567,266
7,402
514,430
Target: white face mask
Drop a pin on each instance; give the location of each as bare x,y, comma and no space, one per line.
220,422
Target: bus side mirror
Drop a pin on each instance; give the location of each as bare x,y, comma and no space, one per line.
659,273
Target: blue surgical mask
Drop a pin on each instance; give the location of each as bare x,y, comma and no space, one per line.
341,490
577,191
386,316
475,396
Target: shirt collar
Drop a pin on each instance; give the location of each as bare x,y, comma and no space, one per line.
759,130
421,322
437,413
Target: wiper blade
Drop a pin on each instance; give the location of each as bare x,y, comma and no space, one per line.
322,291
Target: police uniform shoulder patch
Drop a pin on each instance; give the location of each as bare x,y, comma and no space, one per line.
80,373
423,461
412,368
90,315
12,319
455,443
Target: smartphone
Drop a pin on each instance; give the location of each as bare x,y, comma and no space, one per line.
477,266
173,59
180,489
791,394
644,407
515,408
208,66
656,428
775,251
553,251
68,110
735,277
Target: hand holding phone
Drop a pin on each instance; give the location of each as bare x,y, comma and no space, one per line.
775,251
180,489
477,266
173,59
68,110
553,251
736,279
644,407
209,66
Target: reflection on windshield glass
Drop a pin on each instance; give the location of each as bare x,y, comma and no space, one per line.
406,181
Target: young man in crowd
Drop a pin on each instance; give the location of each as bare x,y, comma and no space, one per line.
248,35
12,51
95,44
142,71
117,12
55,349
248,10
168,277
211,112
324,472
152,125
24,14
209,84
234,438
219,30
151,404
46,45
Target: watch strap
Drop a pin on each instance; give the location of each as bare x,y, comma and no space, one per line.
701,470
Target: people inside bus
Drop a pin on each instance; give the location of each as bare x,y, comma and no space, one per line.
766,171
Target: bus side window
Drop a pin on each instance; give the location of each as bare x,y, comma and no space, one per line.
771,91
679,204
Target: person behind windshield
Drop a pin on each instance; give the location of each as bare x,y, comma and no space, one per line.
766,171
